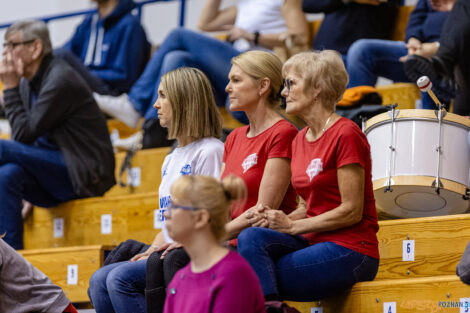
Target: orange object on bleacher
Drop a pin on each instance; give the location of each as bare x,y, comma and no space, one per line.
352,95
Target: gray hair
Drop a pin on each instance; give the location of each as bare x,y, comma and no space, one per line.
32,29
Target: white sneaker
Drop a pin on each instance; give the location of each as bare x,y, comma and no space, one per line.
133,142
119,107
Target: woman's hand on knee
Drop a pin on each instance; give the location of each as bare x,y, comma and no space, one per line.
144,255
168,247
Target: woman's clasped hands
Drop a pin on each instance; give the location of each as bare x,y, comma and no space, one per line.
263,216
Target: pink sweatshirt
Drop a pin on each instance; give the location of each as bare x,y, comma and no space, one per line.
230,286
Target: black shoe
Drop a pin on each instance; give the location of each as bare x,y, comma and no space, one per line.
444,86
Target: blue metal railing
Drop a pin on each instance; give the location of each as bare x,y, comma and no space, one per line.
139,4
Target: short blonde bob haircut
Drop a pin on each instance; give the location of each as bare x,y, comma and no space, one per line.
209,193
324,71
195,113
261,64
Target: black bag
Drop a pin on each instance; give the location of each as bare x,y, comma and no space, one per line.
463,269
279,307
155,135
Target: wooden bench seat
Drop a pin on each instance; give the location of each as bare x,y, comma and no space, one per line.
409,295
87,221
69,268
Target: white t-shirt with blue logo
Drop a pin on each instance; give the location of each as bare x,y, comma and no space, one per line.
201,157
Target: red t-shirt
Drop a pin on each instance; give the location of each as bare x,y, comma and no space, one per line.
246,157
314,177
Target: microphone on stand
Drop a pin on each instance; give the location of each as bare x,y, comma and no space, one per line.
425,85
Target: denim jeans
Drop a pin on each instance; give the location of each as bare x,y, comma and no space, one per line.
289,267
35,174
183,47
119,287
368,59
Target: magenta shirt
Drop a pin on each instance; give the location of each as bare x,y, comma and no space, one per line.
230,286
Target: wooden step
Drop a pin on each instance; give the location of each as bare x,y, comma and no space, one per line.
439,243
407,295
145,169
123,130
69,268
86,222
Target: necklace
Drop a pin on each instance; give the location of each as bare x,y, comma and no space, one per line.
324,127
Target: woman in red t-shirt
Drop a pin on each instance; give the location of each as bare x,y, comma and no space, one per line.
259,153
329,242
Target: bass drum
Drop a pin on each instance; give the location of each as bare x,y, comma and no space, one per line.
407,163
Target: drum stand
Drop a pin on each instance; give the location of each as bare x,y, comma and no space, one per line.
440,114
393,113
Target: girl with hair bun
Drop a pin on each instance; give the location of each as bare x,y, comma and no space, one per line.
216,279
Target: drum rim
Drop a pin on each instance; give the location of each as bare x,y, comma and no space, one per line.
420,180
416,114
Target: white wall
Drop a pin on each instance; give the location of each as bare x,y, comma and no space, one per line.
158,18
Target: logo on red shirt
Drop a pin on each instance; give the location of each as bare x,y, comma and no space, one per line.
315,167
249,161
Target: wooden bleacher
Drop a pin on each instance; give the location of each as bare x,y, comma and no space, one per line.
132,216
69,268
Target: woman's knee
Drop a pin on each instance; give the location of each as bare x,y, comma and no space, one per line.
10,172
98,280
176,59
252,238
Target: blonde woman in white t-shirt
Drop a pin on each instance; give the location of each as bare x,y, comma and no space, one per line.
187,108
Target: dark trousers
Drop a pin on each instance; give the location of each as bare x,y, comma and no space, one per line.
35,174
159,275
455,51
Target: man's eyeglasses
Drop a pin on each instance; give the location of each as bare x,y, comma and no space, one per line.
13,45
174,206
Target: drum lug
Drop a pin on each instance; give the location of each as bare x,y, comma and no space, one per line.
466,196
438,188
393,113
444,113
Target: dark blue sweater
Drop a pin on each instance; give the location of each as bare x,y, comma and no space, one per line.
425,24
115,48
345,23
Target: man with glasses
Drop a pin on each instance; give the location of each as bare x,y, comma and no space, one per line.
61,148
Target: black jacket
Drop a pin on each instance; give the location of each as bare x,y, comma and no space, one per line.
66,111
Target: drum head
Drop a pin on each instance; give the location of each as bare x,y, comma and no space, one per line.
407,201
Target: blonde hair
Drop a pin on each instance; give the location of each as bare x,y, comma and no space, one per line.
206,192
195,113
323,70
261,64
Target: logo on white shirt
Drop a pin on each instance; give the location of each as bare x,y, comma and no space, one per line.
315,167
186,170
249,161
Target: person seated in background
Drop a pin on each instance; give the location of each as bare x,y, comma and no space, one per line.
251,24
109,49
216,279
25,289
255,82
60,148
186,106
368,59
329,242
346,21
451,61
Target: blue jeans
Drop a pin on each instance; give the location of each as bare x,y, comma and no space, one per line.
368,59
119,287
289,267
35,174
183,47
